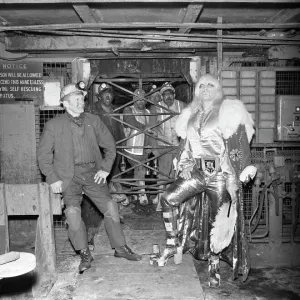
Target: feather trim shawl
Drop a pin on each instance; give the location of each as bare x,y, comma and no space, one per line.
232,114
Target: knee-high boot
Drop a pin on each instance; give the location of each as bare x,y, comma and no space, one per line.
172,249
214,271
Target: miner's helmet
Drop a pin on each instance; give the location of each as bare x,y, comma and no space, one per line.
167,86
72,88
154,92
103,87
139,93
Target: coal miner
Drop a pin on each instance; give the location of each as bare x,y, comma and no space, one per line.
203,208
138,117
70,158
166,131
103,107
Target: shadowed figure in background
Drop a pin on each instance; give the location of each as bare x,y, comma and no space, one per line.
203,209
103,108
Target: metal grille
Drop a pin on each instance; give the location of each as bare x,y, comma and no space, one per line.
292,155
288,83
253,64
57,69
41,117
247,200
287,204
46,115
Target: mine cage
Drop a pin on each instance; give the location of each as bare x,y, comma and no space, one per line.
151,184
277,193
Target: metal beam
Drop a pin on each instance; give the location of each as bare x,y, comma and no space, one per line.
191,15
285,15
142,1
85,13
35,44
153,25
220,48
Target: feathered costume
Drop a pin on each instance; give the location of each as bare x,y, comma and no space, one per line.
209,222
225,234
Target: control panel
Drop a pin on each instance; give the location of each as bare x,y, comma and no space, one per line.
288,118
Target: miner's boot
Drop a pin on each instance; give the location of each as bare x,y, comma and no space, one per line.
143,199
214,272
86,259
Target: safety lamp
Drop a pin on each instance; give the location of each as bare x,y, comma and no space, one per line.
80,85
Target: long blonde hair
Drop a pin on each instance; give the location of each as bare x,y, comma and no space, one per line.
196,104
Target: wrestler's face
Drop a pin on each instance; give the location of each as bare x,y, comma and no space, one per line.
168,97
209,88
106,98
74,104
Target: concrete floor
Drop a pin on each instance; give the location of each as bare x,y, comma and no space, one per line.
262,284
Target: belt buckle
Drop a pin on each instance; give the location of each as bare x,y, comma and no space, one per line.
210,165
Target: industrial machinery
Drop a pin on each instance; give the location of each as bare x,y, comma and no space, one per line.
288,118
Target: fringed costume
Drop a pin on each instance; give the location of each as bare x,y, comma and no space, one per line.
204,214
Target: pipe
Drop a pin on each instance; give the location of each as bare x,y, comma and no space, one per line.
154,25
164,39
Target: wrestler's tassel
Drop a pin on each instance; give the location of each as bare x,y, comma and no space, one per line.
228,214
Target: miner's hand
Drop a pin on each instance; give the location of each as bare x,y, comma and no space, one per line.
101,175
57,187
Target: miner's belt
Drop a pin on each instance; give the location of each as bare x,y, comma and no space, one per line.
209,165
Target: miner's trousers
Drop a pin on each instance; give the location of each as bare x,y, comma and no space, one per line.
83,181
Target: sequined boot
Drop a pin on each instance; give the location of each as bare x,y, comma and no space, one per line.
214,272
172,248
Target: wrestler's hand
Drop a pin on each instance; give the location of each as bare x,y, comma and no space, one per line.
101,175
248,173
56,187
186,173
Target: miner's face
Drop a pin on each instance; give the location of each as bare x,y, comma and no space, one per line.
209,88
74,103
168,97
140,103
106,98
155,97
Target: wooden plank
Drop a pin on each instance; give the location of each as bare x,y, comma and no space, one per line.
4,236
111,278
85,13
191,15
44,245
141,1
24,200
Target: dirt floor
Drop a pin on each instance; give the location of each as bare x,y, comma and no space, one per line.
262,284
